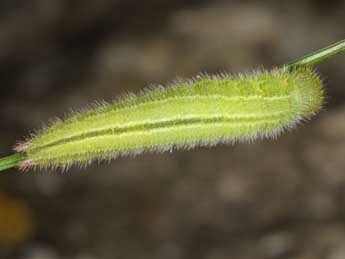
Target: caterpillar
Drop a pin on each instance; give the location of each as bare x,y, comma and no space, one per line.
204,111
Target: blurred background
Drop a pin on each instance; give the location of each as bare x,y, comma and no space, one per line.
270,199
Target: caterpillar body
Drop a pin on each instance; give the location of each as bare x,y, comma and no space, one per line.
201,112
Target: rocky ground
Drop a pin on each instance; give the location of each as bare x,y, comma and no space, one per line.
269,199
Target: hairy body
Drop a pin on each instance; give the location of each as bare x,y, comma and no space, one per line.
201,112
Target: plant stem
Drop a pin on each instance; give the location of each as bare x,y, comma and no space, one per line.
11,161
318,56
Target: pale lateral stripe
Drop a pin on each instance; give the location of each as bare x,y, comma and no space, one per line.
150,131
169,99
165,120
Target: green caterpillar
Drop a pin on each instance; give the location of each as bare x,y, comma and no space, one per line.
204,111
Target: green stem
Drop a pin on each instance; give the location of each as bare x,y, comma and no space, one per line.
11,161
318,56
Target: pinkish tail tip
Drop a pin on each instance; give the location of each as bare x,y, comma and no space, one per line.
21,147
26,164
